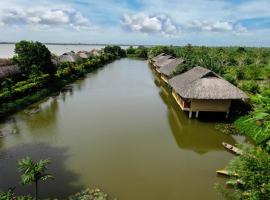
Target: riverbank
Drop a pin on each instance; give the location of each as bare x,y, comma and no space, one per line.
18,93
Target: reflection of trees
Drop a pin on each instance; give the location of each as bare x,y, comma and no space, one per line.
201,137
46,117
65,180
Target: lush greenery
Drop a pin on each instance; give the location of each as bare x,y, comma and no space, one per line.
250,175
39,76
139,52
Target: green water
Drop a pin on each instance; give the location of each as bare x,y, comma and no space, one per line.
119,129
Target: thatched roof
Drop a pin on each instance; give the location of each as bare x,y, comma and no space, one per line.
202,83
5,62
157,57
96,52
69,57
10,70
163,60
169,68
83,54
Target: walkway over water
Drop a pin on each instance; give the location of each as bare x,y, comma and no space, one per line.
120,130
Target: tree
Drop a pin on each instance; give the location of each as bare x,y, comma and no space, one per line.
33,172
253,175
31,56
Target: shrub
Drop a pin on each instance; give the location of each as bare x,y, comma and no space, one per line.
31,56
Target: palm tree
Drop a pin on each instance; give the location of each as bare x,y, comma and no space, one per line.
33,172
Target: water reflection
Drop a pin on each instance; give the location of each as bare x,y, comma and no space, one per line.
47,117
64,184
190,134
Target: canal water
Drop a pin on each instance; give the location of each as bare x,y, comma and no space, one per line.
120,130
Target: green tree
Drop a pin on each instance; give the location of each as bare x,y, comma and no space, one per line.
253,175
33,172
31,56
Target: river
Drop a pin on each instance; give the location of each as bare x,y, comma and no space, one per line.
118,129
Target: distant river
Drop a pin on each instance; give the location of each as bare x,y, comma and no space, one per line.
118,129
7,50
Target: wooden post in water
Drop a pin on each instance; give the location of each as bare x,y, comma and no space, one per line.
227,114
197,114
190,114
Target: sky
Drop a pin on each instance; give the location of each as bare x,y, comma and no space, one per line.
147,22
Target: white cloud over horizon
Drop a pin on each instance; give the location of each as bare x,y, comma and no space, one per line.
207,22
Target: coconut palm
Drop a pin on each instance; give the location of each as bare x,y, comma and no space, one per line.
32,172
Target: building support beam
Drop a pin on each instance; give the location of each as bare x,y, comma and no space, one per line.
190,114
227,114
197,114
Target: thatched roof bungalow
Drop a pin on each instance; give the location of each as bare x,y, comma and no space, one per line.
200,89
95,52
83,54
69,57
167,70
7,68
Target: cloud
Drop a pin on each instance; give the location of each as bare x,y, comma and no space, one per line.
216,26
46,16
157,24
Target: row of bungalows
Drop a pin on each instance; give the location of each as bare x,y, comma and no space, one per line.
198,89
80,55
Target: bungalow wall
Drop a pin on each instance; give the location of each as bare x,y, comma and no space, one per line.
164,78
210,105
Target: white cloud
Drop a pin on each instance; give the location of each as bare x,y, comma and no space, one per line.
46,16
157,24
216,26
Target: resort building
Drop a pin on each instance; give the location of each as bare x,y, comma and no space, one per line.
162,60
7,68
167,70
83,54
69,57
200,89
157,57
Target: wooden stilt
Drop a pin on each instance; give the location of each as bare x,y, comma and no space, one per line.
197,114
227,114
190,114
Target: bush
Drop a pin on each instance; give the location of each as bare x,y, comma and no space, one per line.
253,175
250,86
231,79
31,56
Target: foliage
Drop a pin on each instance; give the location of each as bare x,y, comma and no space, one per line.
33,172
32,57
10,195
250,86
253,175
115,50
87,194
139,52
257,123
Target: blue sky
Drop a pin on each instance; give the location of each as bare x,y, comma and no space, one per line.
176,22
